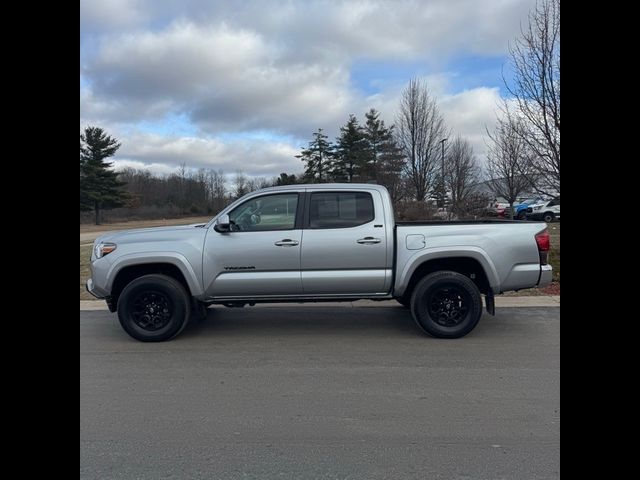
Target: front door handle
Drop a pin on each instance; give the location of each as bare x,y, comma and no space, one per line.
368,240
287,242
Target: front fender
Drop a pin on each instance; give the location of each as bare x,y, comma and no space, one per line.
173,258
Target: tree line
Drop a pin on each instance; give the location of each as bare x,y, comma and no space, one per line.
135,193
409,158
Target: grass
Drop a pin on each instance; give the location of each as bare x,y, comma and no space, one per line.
85,252
88,228
554,253
554,261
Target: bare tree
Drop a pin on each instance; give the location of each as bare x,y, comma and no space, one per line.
240,185
257,183
216,187
182,181
461,174
420,129
535,59
508,162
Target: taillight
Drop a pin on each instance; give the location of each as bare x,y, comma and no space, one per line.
543,242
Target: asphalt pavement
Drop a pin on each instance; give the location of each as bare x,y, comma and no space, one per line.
303,392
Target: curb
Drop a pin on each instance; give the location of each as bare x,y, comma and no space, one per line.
501,302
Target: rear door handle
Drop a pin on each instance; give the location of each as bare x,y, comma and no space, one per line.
287,242
368,240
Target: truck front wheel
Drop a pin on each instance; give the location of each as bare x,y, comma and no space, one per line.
446,304
154,308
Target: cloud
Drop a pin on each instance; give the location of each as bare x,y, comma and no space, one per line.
468,113
165,154
281,67
100,16
226,79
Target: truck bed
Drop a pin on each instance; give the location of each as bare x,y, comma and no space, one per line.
505,249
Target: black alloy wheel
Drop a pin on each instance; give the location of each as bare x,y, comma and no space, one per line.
151,310
154,308
446,304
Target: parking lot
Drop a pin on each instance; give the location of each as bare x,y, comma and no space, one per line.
322,392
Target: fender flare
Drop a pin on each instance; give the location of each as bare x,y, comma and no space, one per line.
426,255
174,258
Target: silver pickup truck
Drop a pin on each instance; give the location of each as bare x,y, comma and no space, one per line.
312,243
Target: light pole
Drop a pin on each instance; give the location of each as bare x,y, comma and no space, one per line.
443,193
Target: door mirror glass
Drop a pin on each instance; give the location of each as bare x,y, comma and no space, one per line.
223,224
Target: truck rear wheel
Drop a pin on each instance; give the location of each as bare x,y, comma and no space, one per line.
548,217
154,308
446,304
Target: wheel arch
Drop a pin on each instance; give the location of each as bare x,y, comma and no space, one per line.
473,264
173,265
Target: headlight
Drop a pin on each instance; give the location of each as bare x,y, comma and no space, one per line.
103,249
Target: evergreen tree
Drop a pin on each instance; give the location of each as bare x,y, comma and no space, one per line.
379,143
351,152
389,165
99,184
317,158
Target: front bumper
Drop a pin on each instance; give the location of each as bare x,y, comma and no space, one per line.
107,298
546,274
89,287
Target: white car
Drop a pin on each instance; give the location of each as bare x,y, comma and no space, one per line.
547,211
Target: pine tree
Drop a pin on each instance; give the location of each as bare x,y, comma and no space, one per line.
379,140
384,161
317,158
389,165
351,152
99,184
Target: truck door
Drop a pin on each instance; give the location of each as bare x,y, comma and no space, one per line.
344,245
261,255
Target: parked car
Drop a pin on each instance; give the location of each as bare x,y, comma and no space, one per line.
520,210
310,243
497,207
546,211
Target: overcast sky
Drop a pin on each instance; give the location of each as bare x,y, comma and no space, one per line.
242,85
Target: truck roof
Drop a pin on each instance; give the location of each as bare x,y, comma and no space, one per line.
325,186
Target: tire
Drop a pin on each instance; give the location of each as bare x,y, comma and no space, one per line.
140,303
446,304
548,217
522,215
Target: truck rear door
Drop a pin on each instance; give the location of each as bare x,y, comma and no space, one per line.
344,244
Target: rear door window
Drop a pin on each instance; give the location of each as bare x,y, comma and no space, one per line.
340,209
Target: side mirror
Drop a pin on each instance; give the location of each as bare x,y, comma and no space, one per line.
223,224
